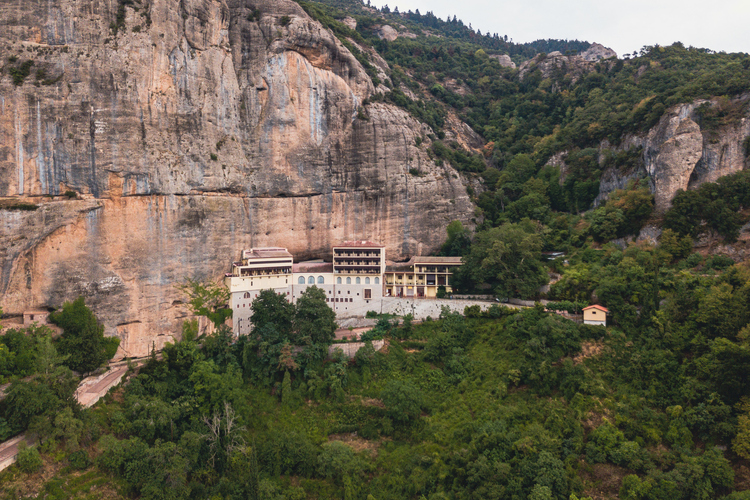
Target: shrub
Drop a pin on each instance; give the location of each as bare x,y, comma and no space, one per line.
403,401
28,459
79,460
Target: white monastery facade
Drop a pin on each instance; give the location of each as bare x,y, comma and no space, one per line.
354,281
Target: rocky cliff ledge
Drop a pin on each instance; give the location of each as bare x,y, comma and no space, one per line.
191,130
680,154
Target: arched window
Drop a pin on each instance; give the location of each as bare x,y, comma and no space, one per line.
311,280
348,281
367,281
301,280
246,296
377,281
359,280
338,281
321,280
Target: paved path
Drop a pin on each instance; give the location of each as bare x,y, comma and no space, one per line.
89,391
9,450
92,389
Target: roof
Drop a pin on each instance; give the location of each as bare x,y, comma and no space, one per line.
266,253
438,260
596,306
313,267
359,243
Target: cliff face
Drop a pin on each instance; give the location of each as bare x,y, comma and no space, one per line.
679,154
191,130
571,66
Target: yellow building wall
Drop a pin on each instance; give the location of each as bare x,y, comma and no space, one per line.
594,315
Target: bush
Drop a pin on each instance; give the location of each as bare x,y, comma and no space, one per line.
79,460
28,459
719,262
403,401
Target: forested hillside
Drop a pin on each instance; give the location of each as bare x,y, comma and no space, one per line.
510,403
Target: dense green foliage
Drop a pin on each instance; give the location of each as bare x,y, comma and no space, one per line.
506,259
501,404
83,342
715,206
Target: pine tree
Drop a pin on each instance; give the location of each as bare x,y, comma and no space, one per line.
286,389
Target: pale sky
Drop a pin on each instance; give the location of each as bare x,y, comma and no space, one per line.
623,25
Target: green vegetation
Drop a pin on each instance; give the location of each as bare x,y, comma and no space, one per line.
497,404
83,342
28,207
714,207
20,71
503,403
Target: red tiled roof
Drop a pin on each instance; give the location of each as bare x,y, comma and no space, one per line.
359,243
597,306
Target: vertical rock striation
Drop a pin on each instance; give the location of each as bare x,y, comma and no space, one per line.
190,130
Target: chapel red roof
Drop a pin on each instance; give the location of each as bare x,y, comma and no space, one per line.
597,306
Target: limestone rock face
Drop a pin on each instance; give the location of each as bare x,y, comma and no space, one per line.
504,60
191,130
350,22
387,32
677,154
550,64
573,66
597,52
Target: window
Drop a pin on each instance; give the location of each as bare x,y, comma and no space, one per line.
348,281
368,293
367,281
338,281
246,296
377,281
359,280
321,280
301,280
311,280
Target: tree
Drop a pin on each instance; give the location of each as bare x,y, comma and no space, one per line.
209,300
403,401
314,321
741,442
28,458
459,240
68,428
83,340
271,308
508,258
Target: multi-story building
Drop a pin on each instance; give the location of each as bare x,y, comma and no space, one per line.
353,282
421,277
259,269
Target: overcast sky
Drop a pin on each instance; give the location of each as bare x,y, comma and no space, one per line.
623,25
